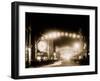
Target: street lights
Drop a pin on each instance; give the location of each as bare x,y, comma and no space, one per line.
56,34
45,43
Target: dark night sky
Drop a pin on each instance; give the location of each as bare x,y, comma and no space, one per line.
40,22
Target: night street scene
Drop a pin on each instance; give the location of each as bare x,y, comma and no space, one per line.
56,40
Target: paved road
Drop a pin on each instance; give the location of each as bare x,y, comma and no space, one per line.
62,63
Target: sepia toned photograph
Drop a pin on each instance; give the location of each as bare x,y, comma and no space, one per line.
54,40
50,40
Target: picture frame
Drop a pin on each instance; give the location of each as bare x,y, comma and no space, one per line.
43,37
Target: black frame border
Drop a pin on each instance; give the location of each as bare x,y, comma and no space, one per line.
15,39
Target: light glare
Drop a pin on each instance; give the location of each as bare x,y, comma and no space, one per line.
66,34
62,33
74,35
70,34
78,36
38,58
77,45
42,45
